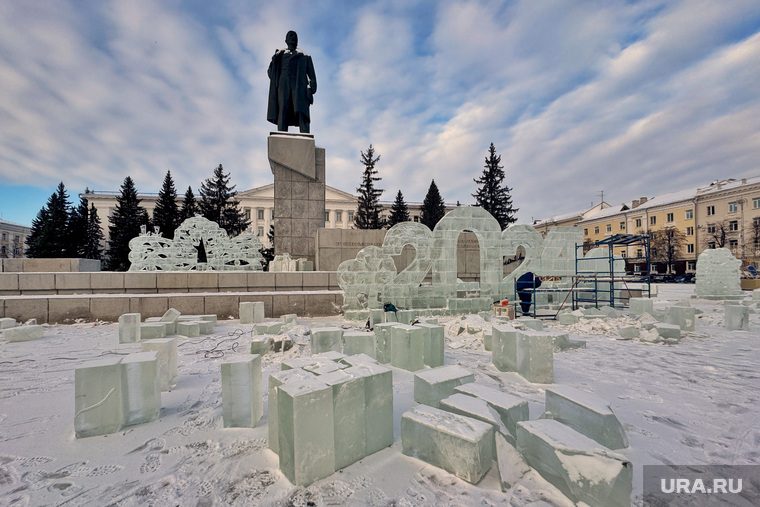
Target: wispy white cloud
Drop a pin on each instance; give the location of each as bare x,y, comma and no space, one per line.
635,98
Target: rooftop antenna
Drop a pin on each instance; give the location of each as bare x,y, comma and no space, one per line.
601,196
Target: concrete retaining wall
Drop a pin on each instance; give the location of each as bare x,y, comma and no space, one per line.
108,307
162,282
56,265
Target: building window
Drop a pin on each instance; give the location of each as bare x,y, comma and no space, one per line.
609,227
622,226
689,214
639,252
710,210
416,218
596,230
351,217
3,251
733,207
756,202
248,213
691,265
260,232
638,222
5,236
652,220
756,222
260,214
327,216
689,248
622,254
669,217
585,231
690,231
711,245
338,216
710,228
733,244
16,238
272,213
733,225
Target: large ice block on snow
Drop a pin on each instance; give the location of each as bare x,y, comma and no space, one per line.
510,408
242,399
718,275
357,359
405,316
325,339
458,444
586,414
383,339
575,464
504,348
251,312
476,408
376,316
306,431
140,392
407,347
98,408
435,384
378,393
151,330
349,412
535,356
170,315
359,342
736,317
277,379
433,345
23,333
7,323
167,360
639,306
190,329
682,316
129,328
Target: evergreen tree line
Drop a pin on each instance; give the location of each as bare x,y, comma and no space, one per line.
493,195
59,230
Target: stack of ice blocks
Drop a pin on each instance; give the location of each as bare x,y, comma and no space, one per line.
328,411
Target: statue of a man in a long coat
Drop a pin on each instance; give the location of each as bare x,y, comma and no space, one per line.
292,85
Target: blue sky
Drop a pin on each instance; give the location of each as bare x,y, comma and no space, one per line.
634,98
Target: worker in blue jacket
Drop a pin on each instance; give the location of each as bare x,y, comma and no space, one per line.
525,285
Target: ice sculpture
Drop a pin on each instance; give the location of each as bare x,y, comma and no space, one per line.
371,279
198,245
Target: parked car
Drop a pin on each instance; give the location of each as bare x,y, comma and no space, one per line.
686,278
662,278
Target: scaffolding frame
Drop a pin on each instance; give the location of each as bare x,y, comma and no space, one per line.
593,278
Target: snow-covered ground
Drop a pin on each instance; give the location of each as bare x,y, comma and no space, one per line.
696,402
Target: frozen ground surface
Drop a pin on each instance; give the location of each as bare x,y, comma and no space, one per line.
692,403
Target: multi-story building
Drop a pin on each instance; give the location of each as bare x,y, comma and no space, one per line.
13,239
725,213
568,219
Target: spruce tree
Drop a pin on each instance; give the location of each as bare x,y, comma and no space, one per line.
368,209
35,240
78,221
49,235
125,222
189,206
399,211
493,195
218,203
94,249
166,212
433,207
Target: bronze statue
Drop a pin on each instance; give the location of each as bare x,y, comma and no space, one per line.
292,85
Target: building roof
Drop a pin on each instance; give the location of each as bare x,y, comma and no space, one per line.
7,223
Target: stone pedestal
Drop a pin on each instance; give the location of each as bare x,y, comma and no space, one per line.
299,193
